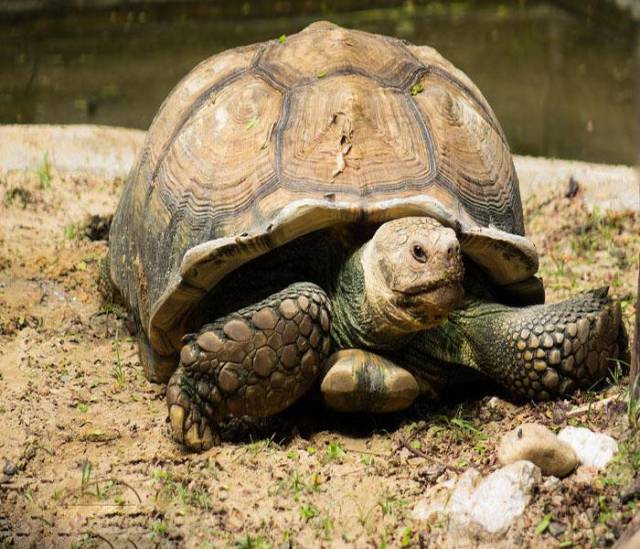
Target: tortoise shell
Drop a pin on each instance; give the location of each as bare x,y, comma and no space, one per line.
261,144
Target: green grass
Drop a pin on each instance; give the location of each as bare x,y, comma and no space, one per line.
44,172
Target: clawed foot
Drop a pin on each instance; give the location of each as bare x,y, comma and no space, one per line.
190,426
560,347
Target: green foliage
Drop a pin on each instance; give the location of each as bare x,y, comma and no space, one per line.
44,172
308,511
416,89
335,451
543,524
249,542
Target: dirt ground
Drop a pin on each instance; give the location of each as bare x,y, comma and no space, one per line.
87,460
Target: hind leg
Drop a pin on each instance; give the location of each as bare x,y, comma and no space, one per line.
255,362
363,381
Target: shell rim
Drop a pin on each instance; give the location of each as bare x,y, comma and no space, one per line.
507,258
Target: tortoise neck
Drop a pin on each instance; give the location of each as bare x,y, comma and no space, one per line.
356,321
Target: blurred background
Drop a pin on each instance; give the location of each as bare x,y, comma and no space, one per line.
563,76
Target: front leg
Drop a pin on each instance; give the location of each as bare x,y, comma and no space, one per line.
536,352
255,362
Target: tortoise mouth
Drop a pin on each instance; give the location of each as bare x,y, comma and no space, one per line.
431,306
449,278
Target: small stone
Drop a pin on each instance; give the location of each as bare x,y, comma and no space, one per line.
303,302
536,443
593,449
9,468
533,342
550,484
572,330
237,330
528,356
521,345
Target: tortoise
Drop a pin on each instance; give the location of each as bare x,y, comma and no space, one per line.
337,208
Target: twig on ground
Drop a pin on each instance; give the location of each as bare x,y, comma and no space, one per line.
420,453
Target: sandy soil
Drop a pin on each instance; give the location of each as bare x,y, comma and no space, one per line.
87,457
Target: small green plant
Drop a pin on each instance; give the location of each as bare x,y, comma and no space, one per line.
82,408
282,39
416,89
308,511
252,543
367,459
44,172
406,537
158,528
86,474
543,524
335,451
70,231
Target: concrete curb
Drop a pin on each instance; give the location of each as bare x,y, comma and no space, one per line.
111,151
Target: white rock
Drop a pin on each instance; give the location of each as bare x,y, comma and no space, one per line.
593,449
503,495
488,504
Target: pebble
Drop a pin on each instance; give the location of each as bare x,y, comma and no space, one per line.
487,504
536,443
9,468
593,449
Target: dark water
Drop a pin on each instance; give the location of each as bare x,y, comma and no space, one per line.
562,83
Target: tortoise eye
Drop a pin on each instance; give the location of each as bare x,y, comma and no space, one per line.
418,253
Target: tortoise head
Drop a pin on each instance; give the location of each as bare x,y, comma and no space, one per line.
413,274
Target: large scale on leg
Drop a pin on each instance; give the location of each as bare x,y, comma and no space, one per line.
374,170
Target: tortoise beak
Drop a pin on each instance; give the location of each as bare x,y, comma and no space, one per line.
432,306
